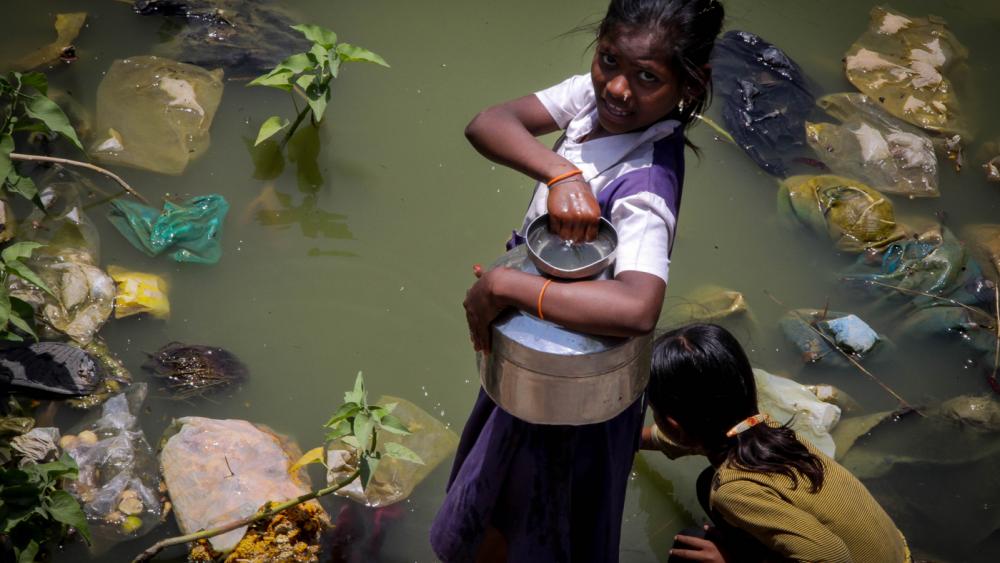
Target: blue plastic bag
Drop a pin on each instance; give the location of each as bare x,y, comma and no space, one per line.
190,230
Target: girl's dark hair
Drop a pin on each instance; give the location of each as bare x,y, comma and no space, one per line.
701,378
688,28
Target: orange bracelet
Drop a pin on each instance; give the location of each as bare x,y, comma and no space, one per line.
541,294
563,176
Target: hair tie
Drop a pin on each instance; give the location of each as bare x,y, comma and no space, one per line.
747,424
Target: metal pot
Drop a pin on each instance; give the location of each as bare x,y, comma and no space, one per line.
543,373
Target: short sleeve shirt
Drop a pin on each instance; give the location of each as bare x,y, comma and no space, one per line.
636,177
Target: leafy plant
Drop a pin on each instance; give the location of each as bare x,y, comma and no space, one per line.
34,510
309,72
15,313
24,106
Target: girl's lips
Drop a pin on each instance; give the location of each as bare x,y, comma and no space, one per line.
615,111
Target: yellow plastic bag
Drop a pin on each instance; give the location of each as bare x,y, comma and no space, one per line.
137,292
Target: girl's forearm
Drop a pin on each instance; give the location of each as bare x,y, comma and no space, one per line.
626,306
506,134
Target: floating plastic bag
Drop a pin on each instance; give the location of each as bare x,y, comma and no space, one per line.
67,29
249,38
766,99
872,146
118,484
785,400
189,230
854,216
138,292
984,244
981,412
155,113
902,61
705,304
806,328
218,471
395,479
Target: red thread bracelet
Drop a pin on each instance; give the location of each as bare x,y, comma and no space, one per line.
563,176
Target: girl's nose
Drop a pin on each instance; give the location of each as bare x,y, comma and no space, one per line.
618,87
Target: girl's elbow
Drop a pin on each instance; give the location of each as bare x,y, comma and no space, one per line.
476,129
641,322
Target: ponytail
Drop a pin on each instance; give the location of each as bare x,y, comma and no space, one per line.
768,449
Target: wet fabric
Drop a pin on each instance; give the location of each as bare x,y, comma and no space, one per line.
49,367
933,262
118,479
766,98
38,445
395,479
138,292
854,216
247,38
872,146
155,113
904,63
219,471
188,231
556,493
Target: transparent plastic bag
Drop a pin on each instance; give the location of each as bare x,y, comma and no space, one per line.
874,147
138,292
155,113
395,479
219,471
118,484
785,400
902,62
189,230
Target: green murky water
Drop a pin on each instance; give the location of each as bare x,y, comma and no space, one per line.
364,258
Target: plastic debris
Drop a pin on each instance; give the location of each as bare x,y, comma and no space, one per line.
984,243
787,401
832,394
192,369
292,536
854,216
38,445
49,367
118,478
138,292
395,479
903,62
766,99
67,29
155,113
219,471
850,333
189,230
872,146
813,331
975,411
705,304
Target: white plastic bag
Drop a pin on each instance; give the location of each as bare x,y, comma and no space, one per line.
785,400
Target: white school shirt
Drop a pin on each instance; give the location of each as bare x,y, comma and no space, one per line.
636,177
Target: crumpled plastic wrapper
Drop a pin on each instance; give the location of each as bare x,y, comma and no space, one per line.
872,146
903,62
189,230
139,292
155,113
38,445
785,400
851,214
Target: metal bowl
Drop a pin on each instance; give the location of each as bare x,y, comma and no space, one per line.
570,260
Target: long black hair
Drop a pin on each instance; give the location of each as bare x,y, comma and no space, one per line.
701,378
688,28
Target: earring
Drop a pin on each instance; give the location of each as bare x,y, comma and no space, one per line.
625,97
680,106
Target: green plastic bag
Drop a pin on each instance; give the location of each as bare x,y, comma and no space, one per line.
189,230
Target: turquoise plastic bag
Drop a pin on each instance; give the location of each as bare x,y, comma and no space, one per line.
190,229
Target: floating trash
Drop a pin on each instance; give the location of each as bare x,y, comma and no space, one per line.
189,230
190,370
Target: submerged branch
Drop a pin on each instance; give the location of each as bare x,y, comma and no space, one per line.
269,513
87,165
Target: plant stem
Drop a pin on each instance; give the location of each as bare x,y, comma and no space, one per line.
718,128
295,125
160,545
87,165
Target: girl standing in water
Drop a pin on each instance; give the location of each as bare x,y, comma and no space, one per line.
526,492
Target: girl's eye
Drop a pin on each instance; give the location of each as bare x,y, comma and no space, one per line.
647,76
608,60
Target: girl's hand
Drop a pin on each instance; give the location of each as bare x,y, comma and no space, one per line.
482,306
573,211
701,550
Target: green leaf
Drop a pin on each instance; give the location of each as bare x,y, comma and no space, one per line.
317,54
22,185
280,78
317,34
297,63
22,316
46,111
351,441
318,97
305,81
19,250
63,508
346,410
28,554
333,63
269,128
352,53
5,308
37,81
338,433
314,455
392,424
369,464
6,147
399,451
389,407
358,394
363,427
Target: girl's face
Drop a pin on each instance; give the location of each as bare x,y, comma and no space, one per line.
634,83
